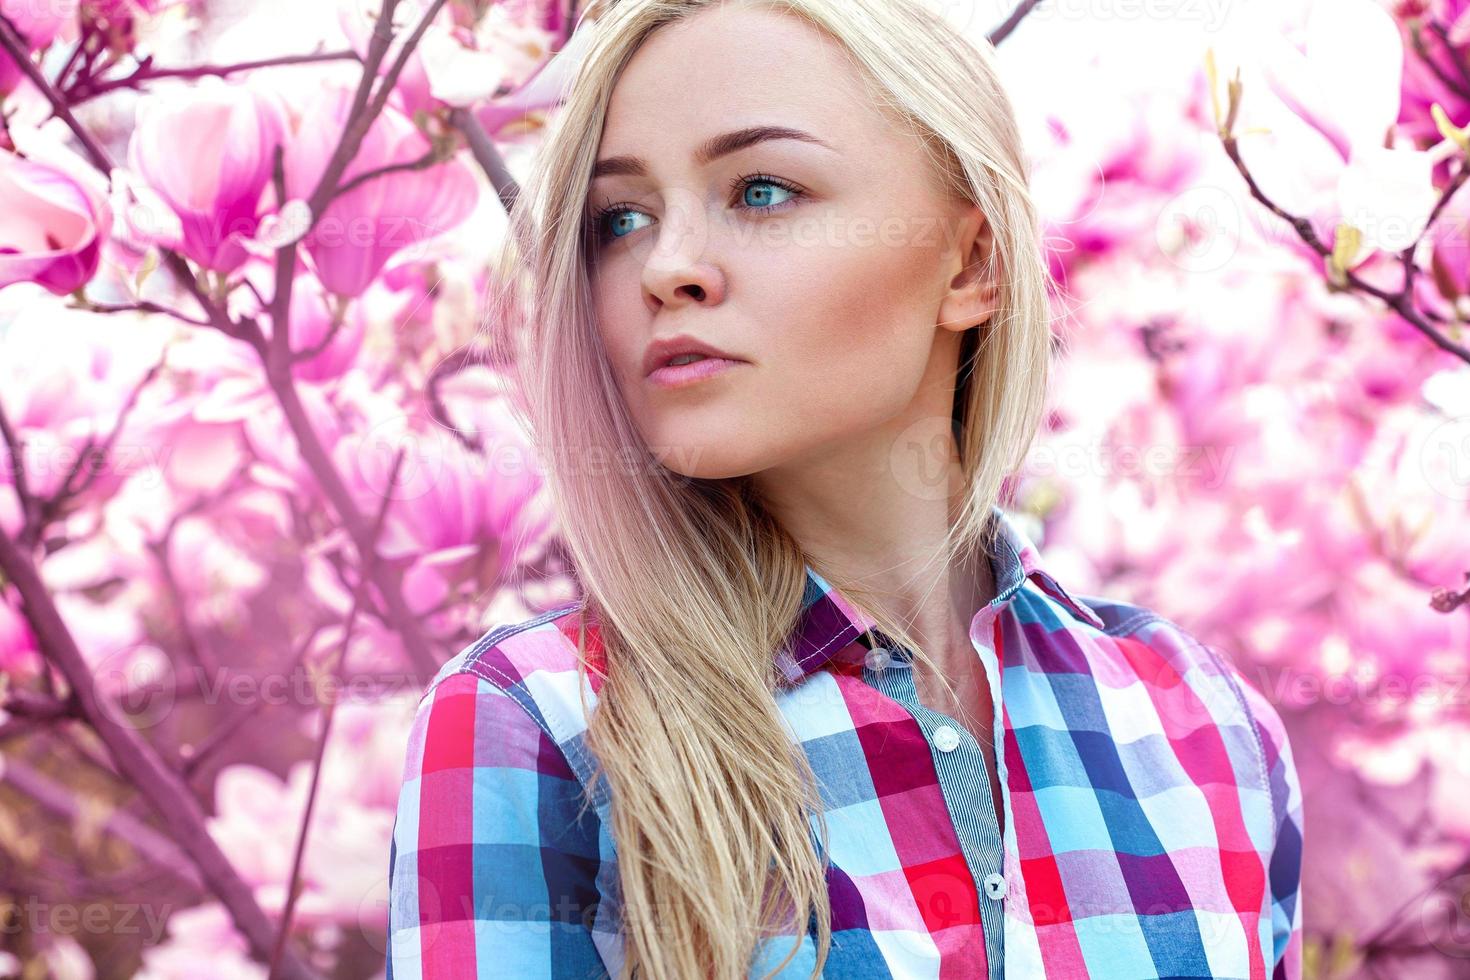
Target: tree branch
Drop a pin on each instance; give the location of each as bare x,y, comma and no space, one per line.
138,761
88,88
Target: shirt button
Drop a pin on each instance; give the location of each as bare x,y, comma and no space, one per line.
995,886
946,739
877,658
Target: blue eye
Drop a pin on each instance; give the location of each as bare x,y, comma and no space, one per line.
611,221
762,189
756,192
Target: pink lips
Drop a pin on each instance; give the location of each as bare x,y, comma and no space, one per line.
680,375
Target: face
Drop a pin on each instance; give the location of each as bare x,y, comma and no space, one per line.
823,259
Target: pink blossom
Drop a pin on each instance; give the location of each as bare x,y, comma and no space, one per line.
461,518
471,53
258,813
60,396
1325,154
361,230
313,313
538,92
215,190
19,657
57,219
202,942
42,23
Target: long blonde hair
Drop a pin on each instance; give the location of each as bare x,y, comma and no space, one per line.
693,583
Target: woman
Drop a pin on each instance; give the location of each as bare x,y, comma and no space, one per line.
821,710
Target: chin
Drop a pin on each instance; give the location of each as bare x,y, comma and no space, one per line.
706,458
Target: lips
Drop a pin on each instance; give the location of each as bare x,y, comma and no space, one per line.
666,349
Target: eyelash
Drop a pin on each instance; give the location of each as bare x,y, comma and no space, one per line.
738,184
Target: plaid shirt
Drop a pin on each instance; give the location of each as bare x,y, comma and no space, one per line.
1152,815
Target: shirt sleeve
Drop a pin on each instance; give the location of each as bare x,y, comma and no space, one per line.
493,862
1285,865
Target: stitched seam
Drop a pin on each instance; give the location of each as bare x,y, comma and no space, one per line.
507,684
1143,618
487,641
818,652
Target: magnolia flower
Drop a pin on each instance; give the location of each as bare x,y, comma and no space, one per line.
202,941
57,218
361,230
41,23
215,190
542,90
467,55
1329,154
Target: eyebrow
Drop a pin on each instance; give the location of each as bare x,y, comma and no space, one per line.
710,150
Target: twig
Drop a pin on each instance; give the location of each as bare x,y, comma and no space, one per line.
55,505
223,733
483,149
422,163
1456,58
328,710
1399,302
1416,38
71,59
37,707
156,849
448,367
30,507
143,306
1002,32
145,72
138,761
10,40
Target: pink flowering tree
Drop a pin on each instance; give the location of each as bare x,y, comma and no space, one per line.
259,479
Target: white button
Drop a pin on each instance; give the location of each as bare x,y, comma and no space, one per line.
946,739
995,886
877,658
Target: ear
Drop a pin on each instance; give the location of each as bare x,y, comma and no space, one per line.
973,292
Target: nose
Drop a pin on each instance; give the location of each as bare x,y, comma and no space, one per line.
680,269
698,280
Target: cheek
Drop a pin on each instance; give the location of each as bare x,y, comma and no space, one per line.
851,316
615,308
842,362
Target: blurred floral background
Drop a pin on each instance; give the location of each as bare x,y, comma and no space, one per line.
259,477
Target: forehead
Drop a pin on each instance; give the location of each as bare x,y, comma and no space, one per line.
734,65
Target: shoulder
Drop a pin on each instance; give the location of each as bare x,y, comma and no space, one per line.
493,837
1201,684
529,657
521,676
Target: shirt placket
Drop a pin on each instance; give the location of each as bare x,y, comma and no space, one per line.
964,782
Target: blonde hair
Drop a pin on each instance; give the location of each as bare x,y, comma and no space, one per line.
693,582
